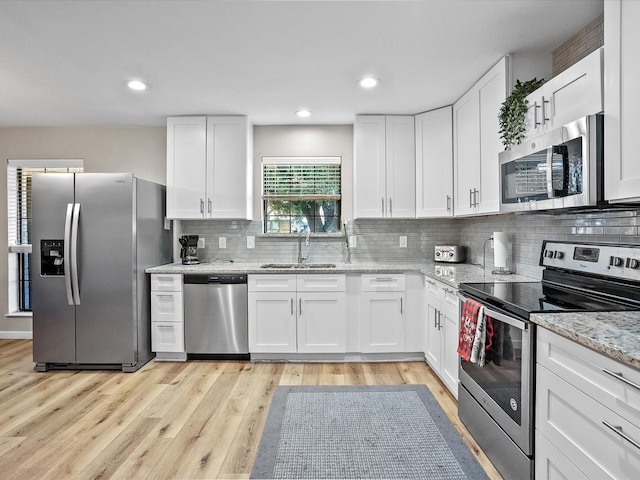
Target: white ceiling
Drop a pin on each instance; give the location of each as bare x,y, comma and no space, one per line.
65,62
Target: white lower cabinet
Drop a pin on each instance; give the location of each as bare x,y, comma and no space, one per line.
167,317
587,412
297,313
383,313
442,332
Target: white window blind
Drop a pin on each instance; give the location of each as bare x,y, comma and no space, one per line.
297,178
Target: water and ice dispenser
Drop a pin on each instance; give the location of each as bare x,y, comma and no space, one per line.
51,257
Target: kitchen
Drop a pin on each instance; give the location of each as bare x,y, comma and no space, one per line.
143,150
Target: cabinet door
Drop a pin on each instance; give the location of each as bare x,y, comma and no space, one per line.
450,358
272,322
466,151
229,168
186,167
492,93
382,322
322,322
621,100
434,164
400,166
552,464
369,166
433,352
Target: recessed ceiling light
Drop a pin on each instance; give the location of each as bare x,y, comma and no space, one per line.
303,113
137,85
368,82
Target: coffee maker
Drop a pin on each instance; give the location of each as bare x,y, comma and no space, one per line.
189,250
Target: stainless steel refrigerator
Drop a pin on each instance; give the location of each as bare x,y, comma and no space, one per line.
94,234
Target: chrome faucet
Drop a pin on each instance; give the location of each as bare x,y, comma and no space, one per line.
346,239
302,258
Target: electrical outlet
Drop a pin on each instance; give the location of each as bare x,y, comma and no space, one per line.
222,242
201,242
251,242
353,241
403,242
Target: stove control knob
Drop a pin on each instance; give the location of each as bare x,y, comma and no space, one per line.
549,253
437,253
559,255
634,263
617,262
451,254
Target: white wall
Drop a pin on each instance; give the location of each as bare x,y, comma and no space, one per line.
141,150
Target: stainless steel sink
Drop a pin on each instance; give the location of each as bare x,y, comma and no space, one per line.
298,265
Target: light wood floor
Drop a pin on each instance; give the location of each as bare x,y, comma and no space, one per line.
199,419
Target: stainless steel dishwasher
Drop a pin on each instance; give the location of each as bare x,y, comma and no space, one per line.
215,314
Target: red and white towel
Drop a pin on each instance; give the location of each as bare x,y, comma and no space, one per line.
473,332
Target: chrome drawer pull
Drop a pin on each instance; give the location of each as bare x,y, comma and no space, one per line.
619,431
621,378
384,279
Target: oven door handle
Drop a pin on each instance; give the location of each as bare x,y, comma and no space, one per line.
514,322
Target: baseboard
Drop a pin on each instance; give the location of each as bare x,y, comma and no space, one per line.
11,334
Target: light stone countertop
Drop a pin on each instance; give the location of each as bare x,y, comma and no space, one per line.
616,334
450,274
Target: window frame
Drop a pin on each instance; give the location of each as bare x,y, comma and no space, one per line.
301,160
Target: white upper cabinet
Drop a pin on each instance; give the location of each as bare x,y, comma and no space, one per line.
209,167
476,143
570,95
434,163
622,100
384,166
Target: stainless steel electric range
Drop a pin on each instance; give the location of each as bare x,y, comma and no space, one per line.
497,401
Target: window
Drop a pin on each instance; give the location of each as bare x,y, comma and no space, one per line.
301,193
19,173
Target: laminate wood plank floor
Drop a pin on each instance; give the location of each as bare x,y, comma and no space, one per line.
169,420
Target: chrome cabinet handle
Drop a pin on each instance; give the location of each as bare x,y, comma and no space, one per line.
300,308
202,206
292,306
383,212
470,198
439,320
390,207
401,312
435,318
536,123
166,327
448,291
448,203
209,206
430,282
476,202
619,431
621,378
544,111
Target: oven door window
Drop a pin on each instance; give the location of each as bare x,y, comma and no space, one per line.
501,376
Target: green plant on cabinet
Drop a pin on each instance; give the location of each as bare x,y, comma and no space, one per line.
513,112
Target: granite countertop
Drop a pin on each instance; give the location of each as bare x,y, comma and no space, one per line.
616,334
450,274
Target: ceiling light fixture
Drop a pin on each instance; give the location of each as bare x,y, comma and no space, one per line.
137,85
369,82
303,113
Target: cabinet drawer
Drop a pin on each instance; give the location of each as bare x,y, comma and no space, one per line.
576,424
320,283
170,282
383,282
587,371
166,307
272,283
167,337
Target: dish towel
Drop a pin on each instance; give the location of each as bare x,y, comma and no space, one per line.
478,350
472,311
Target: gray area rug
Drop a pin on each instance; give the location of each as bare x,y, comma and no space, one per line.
361,432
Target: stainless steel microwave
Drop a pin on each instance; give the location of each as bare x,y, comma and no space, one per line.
561,168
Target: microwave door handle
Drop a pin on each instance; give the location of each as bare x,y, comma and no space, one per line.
550,192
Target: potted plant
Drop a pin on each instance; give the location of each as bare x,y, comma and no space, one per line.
513,112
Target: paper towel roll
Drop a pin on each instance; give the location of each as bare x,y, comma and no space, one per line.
500,250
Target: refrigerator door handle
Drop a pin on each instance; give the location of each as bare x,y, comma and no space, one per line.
74,253
67,252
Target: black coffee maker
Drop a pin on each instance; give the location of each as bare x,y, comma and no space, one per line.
189,250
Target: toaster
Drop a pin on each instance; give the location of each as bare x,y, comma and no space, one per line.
449,253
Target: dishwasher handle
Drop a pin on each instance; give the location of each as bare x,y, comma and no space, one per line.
199,278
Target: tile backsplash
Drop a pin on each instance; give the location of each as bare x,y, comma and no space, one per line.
379,240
